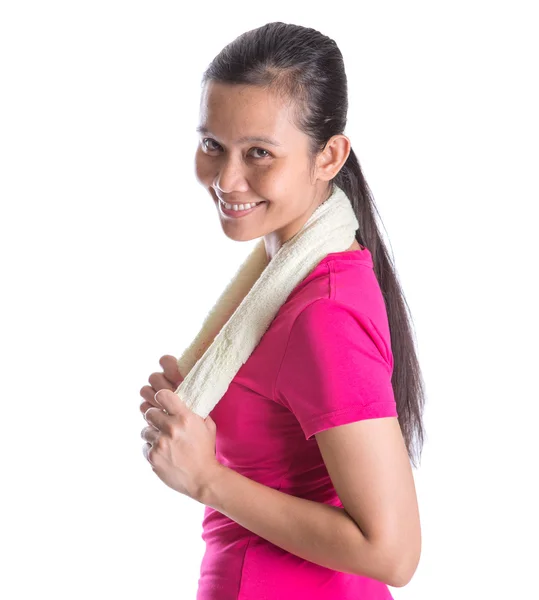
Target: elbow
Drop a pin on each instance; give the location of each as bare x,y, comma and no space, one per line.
401,578
406,551
397,557
404,570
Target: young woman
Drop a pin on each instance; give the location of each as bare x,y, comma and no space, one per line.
318,427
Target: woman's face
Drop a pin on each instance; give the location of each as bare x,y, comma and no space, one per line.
274,171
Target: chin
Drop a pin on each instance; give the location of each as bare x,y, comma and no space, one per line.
244,229
240,237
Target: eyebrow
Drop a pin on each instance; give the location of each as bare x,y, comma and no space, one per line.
246,138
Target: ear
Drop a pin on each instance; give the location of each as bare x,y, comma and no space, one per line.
330,161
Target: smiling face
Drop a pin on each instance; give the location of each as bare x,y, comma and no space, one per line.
274,170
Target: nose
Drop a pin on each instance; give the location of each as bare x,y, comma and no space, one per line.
230,177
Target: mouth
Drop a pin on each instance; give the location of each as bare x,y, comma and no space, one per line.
236,213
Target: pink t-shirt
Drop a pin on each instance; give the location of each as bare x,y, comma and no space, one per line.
324,361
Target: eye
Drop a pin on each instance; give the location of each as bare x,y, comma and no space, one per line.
207,143
209,140
262,150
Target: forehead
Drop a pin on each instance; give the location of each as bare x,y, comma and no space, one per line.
244,109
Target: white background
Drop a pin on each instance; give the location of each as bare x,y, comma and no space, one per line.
104,230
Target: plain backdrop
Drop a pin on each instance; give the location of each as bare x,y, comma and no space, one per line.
112,254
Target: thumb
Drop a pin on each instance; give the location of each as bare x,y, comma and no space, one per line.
211,423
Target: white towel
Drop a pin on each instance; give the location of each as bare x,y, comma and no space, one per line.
244,311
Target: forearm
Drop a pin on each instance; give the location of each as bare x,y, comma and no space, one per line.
317,532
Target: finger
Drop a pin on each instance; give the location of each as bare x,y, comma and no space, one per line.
150,434
146,451
148,392
158,381
170,369
145,406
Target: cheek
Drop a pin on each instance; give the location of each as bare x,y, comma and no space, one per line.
203,168
274,182
279,188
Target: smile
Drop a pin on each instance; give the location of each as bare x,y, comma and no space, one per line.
229,211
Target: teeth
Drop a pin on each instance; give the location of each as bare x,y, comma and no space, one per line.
237,207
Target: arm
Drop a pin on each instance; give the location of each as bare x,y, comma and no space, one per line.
370,470
320,533
335,377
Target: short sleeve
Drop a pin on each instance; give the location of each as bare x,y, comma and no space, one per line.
336,368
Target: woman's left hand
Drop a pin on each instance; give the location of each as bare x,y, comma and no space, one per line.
180,445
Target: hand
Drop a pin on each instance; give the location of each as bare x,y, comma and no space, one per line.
180,445
169,379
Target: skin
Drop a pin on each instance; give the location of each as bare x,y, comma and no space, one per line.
379,527
252,171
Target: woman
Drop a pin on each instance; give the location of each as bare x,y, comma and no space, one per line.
318,426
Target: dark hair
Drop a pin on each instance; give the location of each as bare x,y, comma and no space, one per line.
306,68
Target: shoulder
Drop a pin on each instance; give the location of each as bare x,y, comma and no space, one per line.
339,304
337,328
336,368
